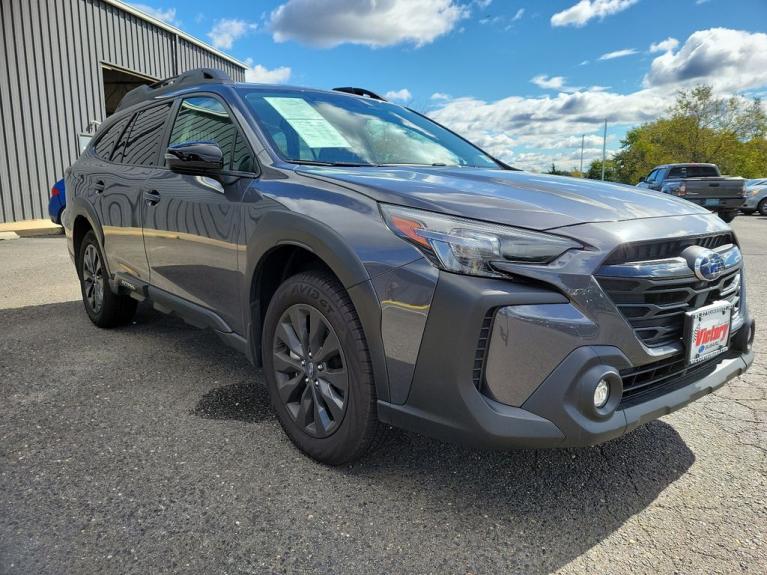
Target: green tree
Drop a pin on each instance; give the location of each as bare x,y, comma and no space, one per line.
698,127
595,171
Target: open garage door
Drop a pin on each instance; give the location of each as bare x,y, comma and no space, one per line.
119,82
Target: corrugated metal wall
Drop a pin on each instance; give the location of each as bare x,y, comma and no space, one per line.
51,85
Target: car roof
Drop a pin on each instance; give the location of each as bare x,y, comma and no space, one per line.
685,164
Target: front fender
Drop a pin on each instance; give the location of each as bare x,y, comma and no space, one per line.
280,227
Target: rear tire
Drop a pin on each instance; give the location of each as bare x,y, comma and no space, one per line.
105,308
728,215
318,370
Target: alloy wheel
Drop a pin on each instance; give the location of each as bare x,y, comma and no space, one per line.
93,278
310,370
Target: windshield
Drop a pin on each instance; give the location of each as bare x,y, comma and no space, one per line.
314,127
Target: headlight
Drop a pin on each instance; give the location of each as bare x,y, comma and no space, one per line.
468,246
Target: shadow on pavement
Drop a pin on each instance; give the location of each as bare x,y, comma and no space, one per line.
246,401
535,510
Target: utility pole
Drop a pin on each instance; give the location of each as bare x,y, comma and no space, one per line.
604,150
583,137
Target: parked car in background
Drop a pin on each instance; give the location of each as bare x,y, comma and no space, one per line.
701,184
756,197
57,202
385,271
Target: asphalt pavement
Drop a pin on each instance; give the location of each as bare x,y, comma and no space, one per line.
153,449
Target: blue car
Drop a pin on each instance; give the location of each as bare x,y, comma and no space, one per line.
57,202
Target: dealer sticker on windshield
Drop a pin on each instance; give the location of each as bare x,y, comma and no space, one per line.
708,331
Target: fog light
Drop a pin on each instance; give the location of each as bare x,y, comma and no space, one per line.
601,393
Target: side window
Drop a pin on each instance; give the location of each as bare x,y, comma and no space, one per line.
242,158
204,119
139,144
651,176
104,145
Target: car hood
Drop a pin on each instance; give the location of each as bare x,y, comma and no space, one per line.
516,198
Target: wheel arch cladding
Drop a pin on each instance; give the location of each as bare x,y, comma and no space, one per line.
293,242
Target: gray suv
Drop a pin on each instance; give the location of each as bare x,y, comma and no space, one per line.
386,272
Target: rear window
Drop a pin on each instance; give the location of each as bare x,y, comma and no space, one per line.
106,142
693,172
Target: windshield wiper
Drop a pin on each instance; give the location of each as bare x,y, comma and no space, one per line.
337,164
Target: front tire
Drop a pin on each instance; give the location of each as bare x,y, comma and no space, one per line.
728,215
317,367
762,207
105,308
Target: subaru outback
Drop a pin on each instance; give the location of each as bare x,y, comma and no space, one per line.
384,271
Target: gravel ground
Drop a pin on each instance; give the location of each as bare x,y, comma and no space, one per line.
151,449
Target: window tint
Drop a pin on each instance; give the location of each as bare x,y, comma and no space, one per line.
106,142
242,158
702,172
139,144
204,119
679,172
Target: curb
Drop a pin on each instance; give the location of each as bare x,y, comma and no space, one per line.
9,236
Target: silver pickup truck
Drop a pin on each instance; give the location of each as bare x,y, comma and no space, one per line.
702,184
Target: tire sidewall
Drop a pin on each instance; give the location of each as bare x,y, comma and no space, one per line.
309,289
762,207
90,239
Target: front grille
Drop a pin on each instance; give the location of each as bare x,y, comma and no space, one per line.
663,249
654,379
656,308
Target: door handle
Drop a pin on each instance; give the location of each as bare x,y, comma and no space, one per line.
151,197
99,187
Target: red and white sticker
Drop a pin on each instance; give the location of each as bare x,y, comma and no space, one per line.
708,331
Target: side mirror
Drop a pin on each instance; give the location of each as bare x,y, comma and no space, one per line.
202,158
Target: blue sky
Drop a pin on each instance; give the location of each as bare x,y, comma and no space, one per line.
524,79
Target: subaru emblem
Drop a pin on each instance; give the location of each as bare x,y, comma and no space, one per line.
705,263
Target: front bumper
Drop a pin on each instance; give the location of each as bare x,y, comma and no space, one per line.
553,359
507,363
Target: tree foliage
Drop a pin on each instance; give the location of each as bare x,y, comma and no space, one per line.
698,127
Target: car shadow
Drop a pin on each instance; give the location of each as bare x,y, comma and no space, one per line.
558,503
245,401
530,511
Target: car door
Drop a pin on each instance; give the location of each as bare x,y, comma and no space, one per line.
191,222
132,159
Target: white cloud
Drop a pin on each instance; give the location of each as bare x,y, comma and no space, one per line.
402,95
440,96
518,15
548,82
167,15
261,75
532,133
664,45
227,31
586,10
618,54
482,3
553,83
328,23
730,60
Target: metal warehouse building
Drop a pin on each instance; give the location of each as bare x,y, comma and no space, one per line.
65,66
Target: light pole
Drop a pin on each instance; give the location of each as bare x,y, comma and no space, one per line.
604,150
583,137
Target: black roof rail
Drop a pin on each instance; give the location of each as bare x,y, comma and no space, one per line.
190,77
360,92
